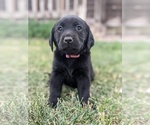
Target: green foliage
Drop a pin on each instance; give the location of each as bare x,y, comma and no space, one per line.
13,29
40,29
25,29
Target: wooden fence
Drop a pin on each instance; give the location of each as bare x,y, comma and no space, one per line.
112,14
45,9
13,9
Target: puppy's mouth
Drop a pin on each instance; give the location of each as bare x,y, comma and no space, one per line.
71,52
72,55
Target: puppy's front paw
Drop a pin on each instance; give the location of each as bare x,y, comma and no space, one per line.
52,103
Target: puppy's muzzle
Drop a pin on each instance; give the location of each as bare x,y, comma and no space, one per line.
68,39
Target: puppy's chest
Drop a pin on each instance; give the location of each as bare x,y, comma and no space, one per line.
71,66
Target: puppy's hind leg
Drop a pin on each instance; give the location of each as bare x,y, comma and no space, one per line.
92,74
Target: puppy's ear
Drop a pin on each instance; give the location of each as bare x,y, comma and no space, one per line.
90,38
51,39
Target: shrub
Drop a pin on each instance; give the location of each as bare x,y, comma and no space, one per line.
13,28
40,29
25,29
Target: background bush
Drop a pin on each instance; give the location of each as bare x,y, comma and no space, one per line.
25,29
13,28
40,29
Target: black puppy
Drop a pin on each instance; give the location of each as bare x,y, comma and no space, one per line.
72,62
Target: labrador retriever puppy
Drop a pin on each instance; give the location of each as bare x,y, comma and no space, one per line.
72,65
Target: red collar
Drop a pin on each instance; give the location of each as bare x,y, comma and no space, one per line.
72,56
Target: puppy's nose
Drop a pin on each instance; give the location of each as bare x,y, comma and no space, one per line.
68,39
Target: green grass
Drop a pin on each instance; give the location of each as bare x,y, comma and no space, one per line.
135,83
13,81
22,106
105,94
104,90
116,65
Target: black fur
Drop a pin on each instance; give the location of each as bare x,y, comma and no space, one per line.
74,72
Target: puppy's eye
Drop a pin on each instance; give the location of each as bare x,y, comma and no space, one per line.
78,27
60,28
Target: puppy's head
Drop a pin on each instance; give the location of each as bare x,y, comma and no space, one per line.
71,35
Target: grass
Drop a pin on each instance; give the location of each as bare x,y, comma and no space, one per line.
13,81
104,90
24,98
135,83
27,103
